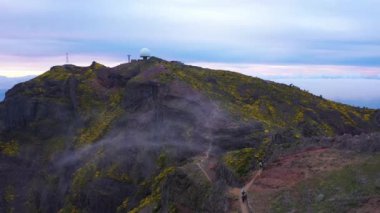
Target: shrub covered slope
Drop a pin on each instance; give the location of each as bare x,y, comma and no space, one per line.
131,137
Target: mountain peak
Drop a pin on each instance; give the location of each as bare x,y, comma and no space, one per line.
243,96
139,126
95,65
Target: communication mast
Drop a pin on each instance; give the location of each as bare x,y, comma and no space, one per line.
129,58
67,58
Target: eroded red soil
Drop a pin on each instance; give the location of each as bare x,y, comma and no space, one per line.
289,170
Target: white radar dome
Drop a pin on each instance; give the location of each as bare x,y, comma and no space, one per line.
145,52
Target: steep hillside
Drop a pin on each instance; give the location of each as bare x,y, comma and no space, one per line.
150,135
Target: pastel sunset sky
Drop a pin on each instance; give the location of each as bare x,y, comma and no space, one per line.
272,39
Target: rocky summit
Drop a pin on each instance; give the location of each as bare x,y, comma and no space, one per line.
160,136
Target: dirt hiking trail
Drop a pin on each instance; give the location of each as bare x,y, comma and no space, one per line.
285,173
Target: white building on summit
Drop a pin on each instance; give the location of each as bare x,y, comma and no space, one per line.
145,53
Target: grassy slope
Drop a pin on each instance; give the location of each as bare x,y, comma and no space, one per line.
337,191
276,105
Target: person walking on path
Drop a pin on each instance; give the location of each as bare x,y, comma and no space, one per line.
243,195
261,164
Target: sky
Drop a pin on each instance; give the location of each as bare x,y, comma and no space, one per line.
273,39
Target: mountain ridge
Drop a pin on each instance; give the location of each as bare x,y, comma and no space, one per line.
109,139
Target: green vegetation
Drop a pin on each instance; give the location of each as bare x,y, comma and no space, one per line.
91,171
10,149
240,161
115,99
83,176
98,127
162,160
338,191
9,196
88,99
155,195
57,73
106,112
54,145
124,206
275,105
115,173
96,65
166,77
69,209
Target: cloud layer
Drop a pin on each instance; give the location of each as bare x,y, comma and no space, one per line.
333,32
271,71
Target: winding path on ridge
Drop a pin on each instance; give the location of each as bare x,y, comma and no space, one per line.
203,159
283,173
245,206
287,171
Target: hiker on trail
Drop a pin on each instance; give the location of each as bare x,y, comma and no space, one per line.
261,164
243,195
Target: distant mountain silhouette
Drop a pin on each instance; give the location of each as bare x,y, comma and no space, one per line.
8,82
2,94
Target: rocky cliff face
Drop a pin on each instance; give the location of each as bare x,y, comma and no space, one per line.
134,137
